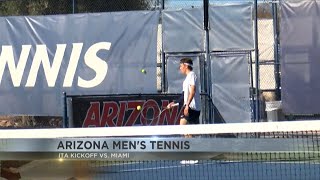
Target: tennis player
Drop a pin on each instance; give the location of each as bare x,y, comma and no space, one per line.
191,97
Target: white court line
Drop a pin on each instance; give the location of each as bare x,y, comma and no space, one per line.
127,163
166,167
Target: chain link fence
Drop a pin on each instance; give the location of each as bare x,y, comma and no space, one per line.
269,81
267,61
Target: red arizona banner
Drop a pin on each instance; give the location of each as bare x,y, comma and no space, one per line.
109,111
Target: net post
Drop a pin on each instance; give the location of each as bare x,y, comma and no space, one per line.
65,109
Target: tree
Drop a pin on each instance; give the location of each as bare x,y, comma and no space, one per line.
48,7
113,5
264,11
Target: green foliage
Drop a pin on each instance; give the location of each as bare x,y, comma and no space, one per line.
47,7
112,5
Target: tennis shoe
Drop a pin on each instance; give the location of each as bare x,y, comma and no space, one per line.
189,162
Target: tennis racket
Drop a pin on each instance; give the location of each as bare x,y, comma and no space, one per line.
150,114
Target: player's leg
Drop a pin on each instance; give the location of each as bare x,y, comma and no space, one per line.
192,118
183,121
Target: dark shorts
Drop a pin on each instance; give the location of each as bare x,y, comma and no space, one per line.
193,117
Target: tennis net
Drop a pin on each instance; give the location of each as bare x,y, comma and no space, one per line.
270,150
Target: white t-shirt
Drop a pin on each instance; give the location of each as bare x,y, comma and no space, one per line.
191,79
